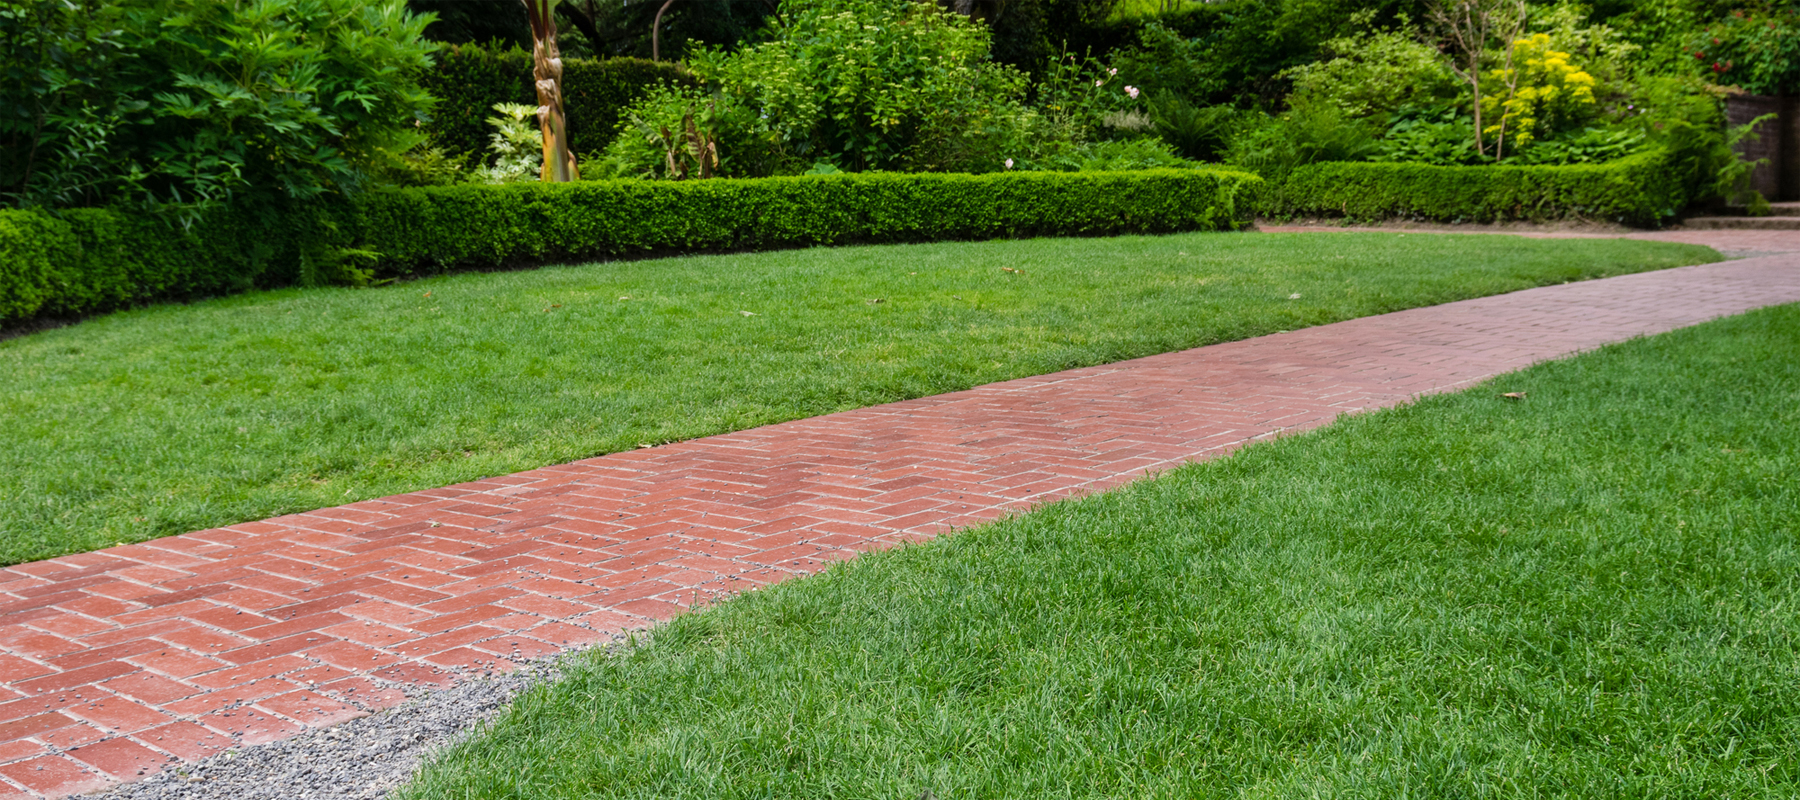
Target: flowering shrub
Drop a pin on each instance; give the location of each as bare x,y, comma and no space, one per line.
1540,92
1757,49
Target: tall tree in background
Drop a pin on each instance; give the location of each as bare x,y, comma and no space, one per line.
546,68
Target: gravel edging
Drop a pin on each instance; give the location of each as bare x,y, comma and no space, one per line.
363,759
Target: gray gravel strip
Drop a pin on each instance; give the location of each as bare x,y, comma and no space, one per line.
362,759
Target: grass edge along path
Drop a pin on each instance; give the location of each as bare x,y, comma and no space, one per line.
1590,592
178,418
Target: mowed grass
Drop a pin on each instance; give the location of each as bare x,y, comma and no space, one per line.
177,418
1590,593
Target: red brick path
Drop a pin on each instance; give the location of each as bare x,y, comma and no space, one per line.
116,663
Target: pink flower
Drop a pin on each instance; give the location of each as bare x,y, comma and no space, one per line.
1133,91
1098,82
1113,71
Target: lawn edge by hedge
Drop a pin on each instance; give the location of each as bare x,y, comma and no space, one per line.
93,260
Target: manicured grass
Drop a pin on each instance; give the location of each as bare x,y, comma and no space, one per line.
1590,593
176,418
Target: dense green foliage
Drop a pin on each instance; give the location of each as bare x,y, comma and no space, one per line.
190,101
1590,592
1640,190
82,261
1756,48
858,84
174,418
469,79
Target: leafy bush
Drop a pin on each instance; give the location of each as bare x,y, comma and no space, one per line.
864,84
1375,73
201,101
1425,136
1126,154
1202,133
517,145
1756,48
54,118
1643,189
1310,132
1588,146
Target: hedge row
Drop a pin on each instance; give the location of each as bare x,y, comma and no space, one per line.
463,226
469,79
1643,189
91,260
84,260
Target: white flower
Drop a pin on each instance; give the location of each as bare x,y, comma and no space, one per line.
1009,163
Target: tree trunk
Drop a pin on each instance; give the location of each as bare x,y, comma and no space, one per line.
546,68
656,31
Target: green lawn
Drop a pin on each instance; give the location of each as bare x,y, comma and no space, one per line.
1590,593
175,418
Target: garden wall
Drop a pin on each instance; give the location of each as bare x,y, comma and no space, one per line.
1645,189
91,260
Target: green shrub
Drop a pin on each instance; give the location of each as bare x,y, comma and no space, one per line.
178,101
865,85
428,229
469,79
90,260
1643,189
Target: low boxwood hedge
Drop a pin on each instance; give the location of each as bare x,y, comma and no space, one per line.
1644,189
471,226
89,260
84,260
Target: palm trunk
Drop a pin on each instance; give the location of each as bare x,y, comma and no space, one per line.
546,69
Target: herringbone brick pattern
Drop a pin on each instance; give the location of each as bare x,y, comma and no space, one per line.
115,663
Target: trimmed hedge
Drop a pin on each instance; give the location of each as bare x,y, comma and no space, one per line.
469,79
463,226
1642,189
91,260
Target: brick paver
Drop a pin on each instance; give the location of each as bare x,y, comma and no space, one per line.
116,663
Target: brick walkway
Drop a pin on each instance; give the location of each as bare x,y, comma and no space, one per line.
114,664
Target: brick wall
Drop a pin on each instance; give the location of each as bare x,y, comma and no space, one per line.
1740,110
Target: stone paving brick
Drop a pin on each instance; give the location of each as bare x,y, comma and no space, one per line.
259,630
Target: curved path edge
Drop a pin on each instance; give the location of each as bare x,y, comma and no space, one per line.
118,663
